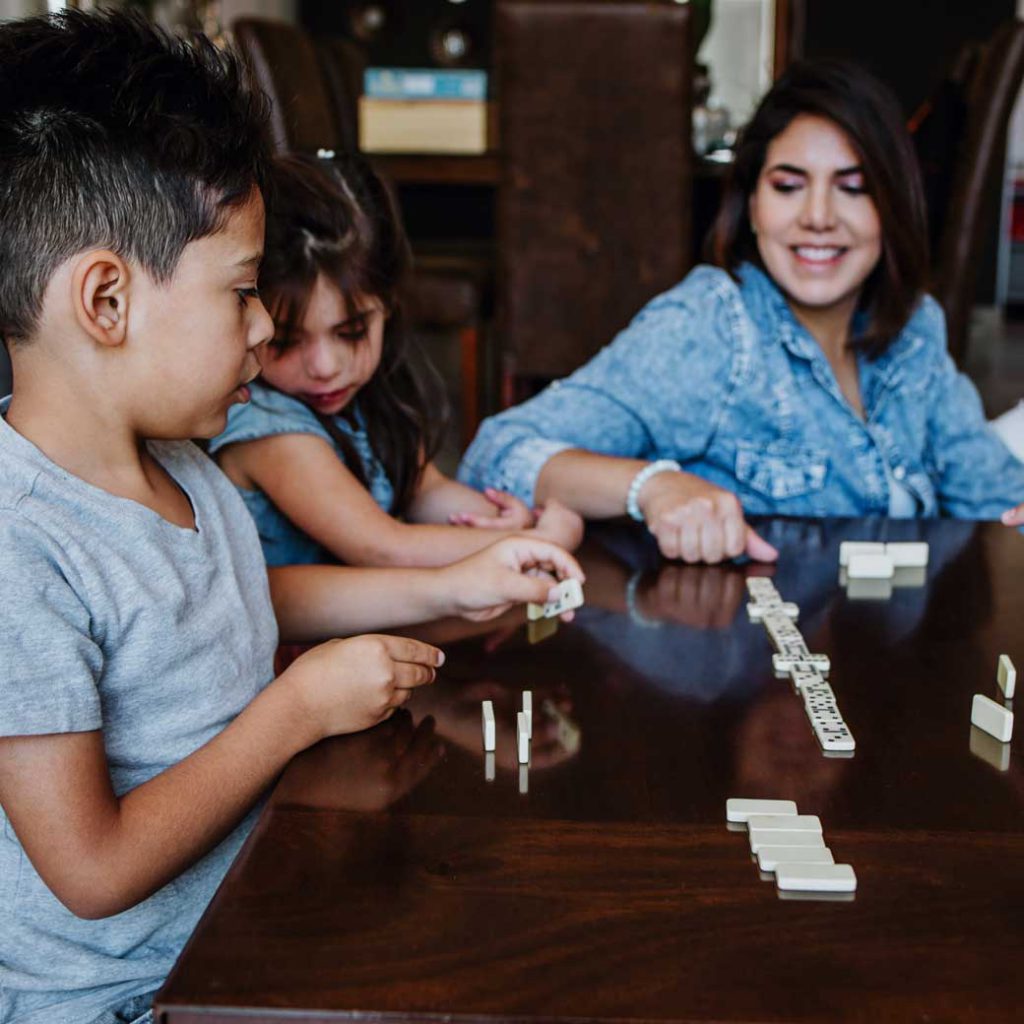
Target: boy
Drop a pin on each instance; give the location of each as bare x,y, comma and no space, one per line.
139,718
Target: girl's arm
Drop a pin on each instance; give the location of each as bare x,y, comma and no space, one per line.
303,476
439,499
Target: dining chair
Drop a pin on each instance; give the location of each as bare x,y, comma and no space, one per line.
594,204
990,92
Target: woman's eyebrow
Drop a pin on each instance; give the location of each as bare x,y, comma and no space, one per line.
788,168
855,169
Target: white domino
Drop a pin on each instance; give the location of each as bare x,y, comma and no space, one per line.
793,877
528,711
523,736
760,587
770,857
759,840
870,567
784,664
802,676
993,718
908,554
784,823
849,548
834,736
758,610
570,596
487,714
739,809
1006,676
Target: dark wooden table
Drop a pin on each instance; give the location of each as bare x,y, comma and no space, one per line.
388,879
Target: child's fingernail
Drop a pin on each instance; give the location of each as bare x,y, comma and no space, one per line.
440,658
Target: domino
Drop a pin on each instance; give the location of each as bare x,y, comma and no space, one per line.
802,677
908,555
784,823
487,711
993,718
1006,676
784,664
758,611
849,548
870,590
870,567
793,877
523,737
759,840
770,857
528,711
738,809
834,737
781,629
570,596
761,587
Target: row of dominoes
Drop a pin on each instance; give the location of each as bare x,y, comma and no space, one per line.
790,845
524,727
805,670
991,716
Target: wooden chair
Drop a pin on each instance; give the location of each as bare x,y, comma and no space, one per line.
313,88
594,207
990,94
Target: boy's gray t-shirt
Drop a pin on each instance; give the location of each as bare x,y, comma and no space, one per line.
112,618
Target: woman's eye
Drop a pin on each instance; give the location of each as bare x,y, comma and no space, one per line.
244,294
785,187
353,330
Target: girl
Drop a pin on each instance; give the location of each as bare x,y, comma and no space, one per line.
333,454
805,374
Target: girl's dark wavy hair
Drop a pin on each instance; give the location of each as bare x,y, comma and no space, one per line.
844,93
337,218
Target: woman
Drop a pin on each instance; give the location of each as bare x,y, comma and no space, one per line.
806,373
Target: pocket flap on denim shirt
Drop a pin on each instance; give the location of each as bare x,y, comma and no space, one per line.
781,469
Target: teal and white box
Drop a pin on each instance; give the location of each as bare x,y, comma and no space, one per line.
424,84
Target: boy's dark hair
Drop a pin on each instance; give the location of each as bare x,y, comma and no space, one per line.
114,134
844,93
338,219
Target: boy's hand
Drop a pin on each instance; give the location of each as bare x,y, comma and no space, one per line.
1014,516
561,525
698,522
511,513
516,570
346,686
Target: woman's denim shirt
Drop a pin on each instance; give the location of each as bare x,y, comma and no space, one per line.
269,412
721,377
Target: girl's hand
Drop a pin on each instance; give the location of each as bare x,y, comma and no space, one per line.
512,514
1014,516
346,686
561,525
516,570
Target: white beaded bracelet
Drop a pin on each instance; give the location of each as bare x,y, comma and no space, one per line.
645,474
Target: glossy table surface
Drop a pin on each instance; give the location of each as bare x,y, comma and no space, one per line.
389,879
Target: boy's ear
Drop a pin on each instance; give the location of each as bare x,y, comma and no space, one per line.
100,296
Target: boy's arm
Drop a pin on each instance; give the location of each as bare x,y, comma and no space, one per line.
101,854
315,601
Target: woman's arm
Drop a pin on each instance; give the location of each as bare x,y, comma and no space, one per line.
303,476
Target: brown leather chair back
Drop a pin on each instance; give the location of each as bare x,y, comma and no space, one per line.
343,64
284,62
595,198
979,164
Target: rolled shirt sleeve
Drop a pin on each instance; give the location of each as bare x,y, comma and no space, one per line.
655,391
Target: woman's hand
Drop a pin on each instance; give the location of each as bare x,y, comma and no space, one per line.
510,513
698,522
1014,516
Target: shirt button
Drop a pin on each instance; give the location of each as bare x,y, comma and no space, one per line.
899,472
